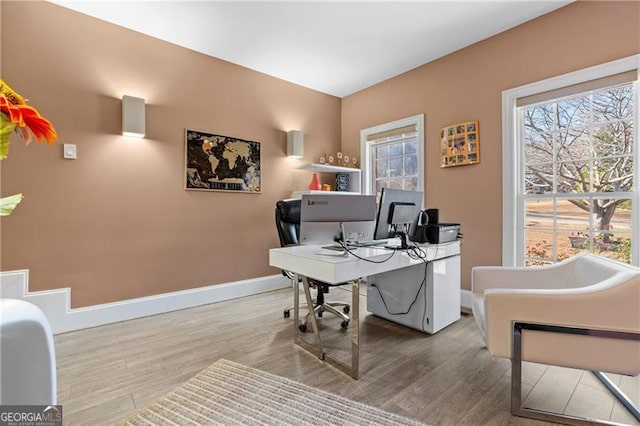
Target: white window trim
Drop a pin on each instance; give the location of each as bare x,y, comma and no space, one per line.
418,121
512,214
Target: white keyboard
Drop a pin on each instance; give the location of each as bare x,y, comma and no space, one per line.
369,243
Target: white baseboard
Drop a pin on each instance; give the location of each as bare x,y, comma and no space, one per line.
465,299
57,307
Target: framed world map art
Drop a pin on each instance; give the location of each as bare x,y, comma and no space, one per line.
221,163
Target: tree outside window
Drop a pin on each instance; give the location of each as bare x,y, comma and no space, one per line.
578,175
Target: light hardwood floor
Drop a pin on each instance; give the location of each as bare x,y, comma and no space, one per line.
106,373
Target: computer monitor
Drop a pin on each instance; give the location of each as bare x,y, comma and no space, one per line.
398,214
326,216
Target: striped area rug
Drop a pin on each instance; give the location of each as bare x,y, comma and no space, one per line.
227,393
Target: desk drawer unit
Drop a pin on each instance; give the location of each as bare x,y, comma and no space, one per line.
404,295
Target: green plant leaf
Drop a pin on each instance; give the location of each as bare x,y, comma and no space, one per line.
7,204
5,131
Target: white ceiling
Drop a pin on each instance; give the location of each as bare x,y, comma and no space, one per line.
335,47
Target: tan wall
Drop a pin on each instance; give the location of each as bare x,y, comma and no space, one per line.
467,85
116,223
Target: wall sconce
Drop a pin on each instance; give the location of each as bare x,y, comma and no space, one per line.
295,144
132,116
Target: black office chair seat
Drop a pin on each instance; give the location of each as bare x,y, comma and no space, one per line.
288,226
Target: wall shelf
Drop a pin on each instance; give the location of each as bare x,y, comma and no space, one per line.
326,168
299,194
354,178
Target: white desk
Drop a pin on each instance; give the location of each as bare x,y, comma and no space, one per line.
326,265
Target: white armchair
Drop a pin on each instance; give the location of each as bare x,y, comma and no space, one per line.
27,355
585,314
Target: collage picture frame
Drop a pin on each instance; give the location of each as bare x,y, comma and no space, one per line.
460,144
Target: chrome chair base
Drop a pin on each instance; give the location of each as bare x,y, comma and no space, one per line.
321,308
325,307
516,375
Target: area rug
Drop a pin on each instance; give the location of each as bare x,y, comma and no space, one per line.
227,393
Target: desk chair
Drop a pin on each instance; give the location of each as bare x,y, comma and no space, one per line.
288,226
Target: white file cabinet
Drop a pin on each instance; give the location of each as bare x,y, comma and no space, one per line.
428,302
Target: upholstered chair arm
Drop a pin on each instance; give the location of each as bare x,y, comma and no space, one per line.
543,277
603,306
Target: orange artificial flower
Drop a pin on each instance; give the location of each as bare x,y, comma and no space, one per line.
16,115
23,118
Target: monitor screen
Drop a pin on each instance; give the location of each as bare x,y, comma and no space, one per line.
322,214
398,207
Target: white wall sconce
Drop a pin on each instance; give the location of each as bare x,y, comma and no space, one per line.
133,116
295,144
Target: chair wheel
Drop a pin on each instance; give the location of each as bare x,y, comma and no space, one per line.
319,314
346,309
344,324
287,314
302,327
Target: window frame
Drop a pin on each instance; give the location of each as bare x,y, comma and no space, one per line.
513,161
366,148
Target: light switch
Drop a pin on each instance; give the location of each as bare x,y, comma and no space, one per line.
70,151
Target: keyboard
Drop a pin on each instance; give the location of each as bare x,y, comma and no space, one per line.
369,243
334,247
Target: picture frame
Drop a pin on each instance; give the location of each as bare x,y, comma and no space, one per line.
221,163
460,144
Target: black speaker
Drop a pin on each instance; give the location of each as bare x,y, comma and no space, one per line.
433,216
420,234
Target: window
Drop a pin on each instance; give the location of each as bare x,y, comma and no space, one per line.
392,156
573,182
578,175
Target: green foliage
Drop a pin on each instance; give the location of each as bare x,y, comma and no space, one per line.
619,249
7,204
5,131
625,205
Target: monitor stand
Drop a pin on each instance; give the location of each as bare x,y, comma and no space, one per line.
403,241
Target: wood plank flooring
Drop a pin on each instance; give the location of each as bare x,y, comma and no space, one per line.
106,373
